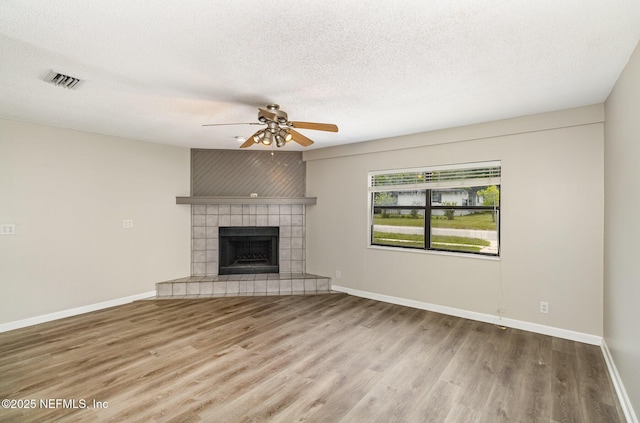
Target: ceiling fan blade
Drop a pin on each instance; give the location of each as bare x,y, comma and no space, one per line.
242,123
268,114
316,126
300,139
249,142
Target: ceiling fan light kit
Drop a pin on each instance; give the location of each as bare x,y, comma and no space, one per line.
280,129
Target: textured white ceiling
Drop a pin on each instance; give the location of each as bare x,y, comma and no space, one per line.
157,70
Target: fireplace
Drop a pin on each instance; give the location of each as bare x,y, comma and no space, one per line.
248,250
207,219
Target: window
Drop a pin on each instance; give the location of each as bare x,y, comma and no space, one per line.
444,208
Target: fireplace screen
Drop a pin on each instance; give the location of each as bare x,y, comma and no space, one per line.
248,250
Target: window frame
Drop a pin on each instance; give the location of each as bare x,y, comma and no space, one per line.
429,207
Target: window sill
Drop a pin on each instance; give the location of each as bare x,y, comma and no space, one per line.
433,252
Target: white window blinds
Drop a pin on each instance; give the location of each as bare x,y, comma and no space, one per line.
433,177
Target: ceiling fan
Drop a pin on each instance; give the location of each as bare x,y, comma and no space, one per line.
279,128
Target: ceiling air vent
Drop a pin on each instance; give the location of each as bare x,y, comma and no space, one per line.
61,79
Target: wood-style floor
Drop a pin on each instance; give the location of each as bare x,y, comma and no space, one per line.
324,358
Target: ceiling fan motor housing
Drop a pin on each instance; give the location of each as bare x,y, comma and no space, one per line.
272,114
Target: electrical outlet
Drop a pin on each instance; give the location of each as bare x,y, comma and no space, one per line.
127,223
338,274
544,307
8,229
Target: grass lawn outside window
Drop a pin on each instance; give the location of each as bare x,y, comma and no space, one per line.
445,217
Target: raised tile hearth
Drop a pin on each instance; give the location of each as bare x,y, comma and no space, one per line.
245,284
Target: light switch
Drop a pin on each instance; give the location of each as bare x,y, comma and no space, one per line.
7,229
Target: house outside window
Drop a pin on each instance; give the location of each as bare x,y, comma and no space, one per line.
454,208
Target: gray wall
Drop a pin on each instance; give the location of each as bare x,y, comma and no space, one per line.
68,193
240,173
552,220
622,228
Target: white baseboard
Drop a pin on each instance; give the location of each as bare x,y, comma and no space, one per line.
472,315
625,402
4,327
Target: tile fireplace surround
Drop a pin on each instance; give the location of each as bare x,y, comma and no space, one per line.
207,219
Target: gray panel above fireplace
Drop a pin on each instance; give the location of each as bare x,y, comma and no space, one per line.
240,173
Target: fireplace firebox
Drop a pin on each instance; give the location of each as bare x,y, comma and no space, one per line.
248,250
